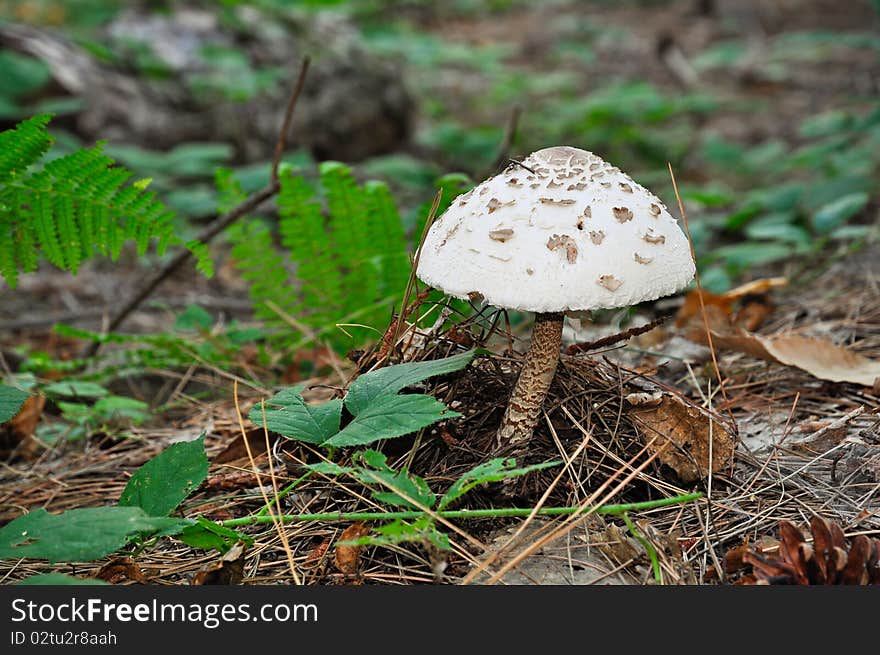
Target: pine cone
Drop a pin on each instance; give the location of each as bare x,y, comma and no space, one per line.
830,560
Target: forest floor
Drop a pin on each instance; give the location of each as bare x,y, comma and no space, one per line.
802,444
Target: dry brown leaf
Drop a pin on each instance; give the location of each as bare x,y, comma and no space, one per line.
752,313
347,556
228,570
120,570
758,287
821,359
682,434
238,450
17,433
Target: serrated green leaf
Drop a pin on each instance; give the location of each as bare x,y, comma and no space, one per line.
80,535
494,470
59,579
161,484
396,532
11,400
837,212
391,416
411,491
75,389
290,416
208,535
391,379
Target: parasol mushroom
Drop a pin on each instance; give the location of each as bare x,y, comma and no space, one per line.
561,231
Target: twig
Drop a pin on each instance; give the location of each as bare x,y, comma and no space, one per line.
281,144
502,155
611,339
216,226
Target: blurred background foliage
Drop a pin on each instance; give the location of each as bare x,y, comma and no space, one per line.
767,110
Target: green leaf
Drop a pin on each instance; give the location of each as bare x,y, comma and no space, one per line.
411,490
780,232
115,407
494,470
290,416
161,484
75,389
391,416
839,211
396,532
194,318
59,579
80,535
208,535
391,379
11,400
750,253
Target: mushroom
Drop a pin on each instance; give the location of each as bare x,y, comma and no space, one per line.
551,259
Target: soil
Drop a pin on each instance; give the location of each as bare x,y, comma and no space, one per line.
777,472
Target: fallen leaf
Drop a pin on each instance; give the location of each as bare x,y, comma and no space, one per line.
228,570
347,556
231,481
120,570
821,359
237,449
756,308
685,434
17,433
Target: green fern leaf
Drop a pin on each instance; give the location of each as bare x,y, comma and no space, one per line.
71,207
22,146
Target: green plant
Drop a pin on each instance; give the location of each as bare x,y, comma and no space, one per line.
11,401
808,197
72,207
345,261
379,411
142,512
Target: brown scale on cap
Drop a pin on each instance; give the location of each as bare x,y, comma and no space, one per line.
564,241
642,260
596,236
501,234
622,214
655,209
609,282
650,237
552,201
626,187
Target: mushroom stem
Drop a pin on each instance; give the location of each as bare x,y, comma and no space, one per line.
534,380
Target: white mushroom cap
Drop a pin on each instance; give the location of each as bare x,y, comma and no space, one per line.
575,234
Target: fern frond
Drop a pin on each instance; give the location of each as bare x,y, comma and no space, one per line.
229,190
204,263
304,235
70,208
355,246
260,263
385,223
23,145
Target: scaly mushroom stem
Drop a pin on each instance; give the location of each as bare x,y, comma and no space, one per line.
534,380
